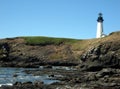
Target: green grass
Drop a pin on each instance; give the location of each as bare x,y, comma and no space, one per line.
39,40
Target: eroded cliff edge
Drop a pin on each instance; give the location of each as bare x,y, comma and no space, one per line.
89,54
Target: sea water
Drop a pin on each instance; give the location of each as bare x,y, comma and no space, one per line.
8,76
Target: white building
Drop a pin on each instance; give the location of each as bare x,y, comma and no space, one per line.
100,20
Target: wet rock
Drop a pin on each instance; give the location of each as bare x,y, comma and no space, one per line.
38,83
52,75
17,84
27,83
57,83
15,75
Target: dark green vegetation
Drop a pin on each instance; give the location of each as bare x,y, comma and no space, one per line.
39,40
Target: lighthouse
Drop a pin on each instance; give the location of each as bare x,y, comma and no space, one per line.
100,20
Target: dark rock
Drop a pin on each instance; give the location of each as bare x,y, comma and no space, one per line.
52,75
4,52
17,83
104,55
27,83
15,75
57,83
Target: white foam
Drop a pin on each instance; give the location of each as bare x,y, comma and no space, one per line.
7,84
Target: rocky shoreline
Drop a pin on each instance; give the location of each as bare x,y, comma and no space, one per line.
107,78
96,63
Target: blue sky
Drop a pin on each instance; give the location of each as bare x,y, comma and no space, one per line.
57,18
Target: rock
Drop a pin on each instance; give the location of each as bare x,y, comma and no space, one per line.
38,83
15,75
91,77
104,72
75,80
108,84
17,83
105,55
27,83
52,75
4,51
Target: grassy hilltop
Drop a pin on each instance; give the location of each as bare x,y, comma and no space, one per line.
38,40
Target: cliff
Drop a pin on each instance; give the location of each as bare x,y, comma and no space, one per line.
104,54
36,51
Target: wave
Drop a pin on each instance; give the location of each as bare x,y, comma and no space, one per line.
7,84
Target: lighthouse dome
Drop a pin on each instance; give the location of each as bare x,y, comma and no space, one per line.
100,18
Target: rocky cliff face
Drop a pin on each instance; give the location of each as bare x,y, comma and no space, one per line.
106,54
16,53
93,54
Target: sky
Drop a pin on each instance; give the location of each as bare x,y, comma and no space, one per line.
57,18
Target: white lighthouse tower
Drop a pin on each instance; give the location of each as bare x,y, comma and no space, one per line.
100,26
